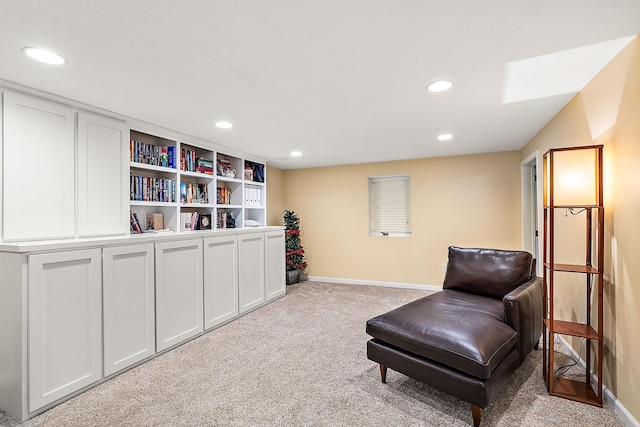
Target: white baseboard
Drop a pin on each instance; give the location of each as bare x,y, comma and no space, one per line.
374,283
607,394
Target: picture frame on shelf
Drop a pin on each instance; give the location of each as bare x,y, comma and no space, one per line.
248,174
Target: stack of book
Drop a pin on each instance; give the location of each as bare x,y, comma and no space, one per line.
204,166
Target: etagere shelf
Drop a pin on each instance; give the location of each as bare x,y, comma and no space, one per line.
573,187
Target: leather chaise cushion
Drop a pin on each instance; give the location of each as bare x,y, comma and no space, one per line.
465,332
489,272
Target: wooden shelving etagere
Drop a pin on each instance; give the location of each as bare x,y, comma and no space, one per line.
589,203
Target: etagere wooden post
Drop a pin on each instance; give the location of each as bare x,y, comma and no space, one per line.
566,173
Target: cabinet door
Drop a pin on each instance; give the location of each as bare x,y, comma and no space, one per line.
178,292
103,198
220,280
274,264
65,324
251,271
38,169
128,305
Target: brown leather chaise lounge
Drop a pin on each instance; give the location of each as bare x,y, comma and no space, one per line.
467,339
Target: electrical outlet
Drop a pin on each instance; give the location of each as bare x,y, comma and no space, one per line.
444,267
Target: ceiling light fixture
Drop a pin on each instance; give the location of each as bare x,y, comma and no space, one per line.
445,137
439,85
295,154
44,55
224,125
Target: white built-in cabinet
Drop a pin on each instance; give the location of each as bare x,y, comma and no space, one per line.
42,168
128,289
220,280
179,291
251,290
80,298
103,176
274,267
37,169
65,324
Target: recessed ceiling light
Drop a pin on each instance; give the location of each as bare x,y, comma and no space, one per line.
44,55
224,125
295,154
445,137
440,85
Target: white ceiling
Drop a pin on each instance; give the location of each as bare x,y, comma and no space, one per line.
340,80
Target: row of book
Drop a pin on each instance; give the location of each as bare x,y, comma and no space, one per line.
223,196
149,189
151,154
194,192
190,221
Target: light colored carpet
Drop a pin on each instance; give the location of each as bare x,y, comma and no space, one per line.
301,361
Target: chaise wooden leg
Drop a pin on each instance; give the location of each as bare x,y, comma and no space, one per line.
476,413
383,373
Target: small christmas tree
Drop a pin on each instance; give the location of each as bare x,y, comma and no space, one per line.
294,250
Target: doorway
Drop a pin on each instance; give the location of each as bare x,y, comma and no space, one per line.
530,205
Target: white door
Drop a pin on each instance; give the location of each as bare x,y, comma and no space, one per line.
65,324
37,169
274,264
103,178
178,292
220,280
251,271
128,305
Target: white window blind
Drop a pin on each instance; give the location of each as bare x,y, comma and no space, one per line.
390,205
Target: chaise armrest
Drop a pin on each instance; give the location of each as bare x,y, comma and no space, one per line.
523,312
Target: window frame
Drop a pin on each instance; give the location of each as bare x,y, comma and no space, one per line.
398,207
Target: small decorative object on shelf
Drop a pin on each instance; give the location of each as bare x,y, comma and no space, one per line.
248,173
294,255
573,207
204,222
155,221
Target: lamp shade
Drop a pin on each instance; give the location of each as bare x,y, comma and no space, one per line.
571,176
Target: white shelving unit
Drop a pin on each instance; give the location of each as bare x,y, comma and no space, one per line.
230,192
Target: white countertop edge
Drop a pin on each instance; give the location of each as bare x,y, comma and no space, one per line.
129,239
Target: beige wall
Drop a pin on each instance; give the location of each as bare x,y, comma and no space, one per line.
275,196
607,112
466,201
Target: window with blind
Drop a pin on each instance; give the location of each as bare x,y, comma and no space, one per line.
390,205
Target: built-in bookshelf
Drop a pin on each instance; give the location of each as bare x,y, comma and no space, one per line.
192,187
